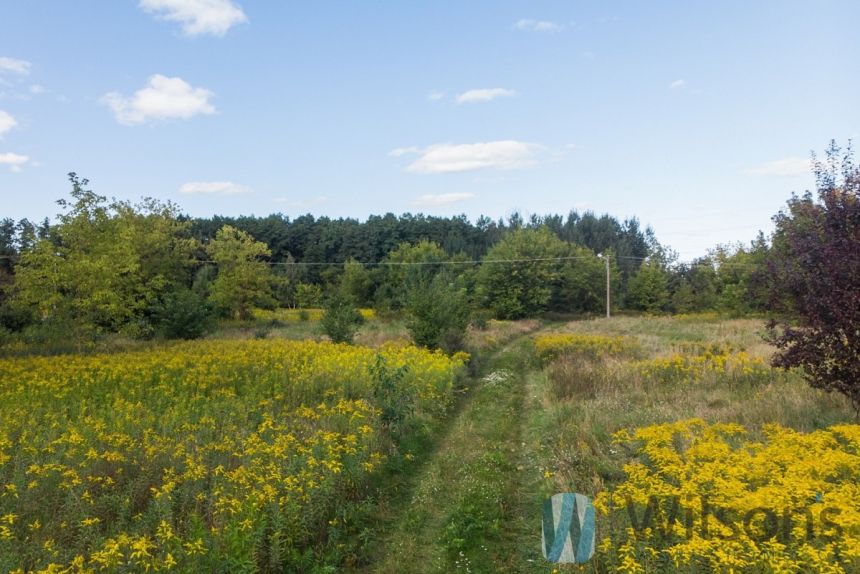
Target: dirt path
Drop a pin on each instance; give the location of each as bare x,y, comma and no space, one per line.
473,507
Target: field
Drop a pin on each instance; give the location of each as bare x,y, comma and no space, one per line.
214,456
670,414
267,449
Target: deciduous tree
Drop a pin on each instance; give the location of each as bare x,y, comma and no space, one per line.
813,271
244,280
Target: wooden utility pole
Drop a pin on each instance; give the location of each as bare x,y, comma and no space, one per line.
606,258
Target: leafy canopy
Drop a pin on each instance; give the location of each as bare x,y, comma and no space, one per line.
813,272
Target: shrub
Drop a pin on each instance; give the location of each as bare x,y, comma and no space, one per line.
481,319
341,319
183,314
438,315
308,295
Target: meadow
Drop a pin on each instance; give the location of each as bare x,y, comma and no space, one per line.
217,456
678,424
266,448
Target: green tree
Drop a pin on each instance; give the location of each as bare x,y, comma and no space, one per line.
648,289
104,264
308,295
438,313
244,281
581,285
183,314
737,266
409,266
517,276
356,281
683,298
341,319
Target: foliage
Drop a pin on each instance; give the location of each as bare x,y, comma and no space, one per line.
244,281
341,319
711,498
648,288
438,313
183,314
104,264
356,282
327,240
308,295
409,267
517,274
581,283
813,273
240,456
394,399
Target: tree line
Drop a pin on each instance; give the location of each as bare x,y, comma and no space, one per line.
145,269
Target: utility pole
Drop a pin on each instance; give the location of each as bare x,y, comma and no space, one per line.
606,259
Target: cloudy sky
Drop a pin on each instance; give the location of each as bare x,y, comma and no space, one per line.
696,117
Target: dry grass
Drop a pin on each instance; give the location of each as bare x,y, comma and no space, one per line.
498,332
587,400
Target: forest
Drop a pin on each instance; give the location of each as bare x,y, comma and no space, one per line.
107,266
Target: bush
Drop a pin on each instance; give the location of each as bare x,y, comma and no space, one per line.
14,319
481,319
438,315
183,314
341,319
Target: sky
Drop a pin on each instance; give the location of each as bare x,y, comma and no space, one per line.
698,118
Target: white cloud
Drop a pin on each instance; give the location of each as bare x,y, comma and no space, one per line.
783,167
14,65
440,199
451,158
435,96
7,122
401,151
164,98
13,160
213,188
37,89
538,25
198,17
679,83
484,95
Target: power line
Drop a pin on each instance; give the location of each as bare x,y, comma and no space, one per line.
705,262
408,263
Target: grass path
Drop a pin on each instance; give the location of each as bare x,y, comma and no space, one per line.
474,505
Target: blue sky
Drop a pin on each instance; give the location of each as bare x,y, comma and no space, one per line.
696,117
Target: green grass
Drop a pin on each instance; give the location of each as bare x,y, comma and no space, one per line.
474,506
465,495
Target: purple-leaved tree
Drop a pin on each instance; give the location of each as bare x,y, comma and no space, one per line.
813,273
